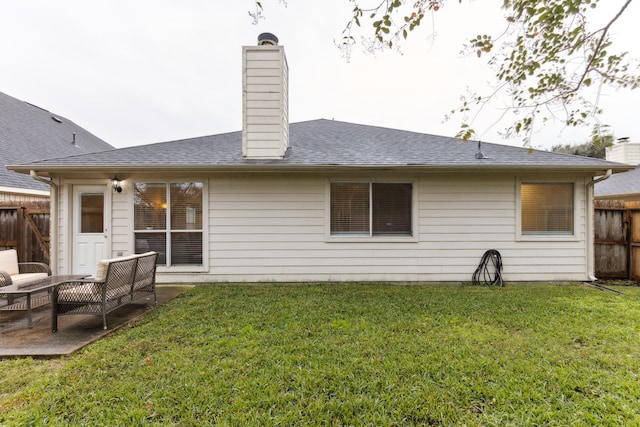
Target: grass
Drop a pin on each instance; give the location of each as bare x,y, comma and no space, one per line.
349,354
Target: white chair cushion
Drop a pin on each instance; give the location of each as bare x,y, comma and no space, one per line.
101,272
9,262
103,265
20,279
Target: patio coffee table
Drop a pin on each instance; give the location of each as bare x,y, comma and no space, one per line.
29,290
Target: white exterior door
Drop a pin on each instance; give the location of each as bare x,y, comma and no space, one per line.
89,228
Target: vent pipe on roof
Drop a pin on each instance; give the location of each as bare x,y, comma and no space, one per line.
480,155
75,144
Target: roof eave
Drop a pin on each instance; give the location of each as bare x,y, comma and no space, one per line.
48,170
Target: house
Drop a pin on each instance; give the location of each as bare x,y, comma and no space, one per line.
29,133
323,200
624,186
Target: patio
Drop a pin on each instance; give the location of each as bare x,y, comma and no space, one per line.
75,332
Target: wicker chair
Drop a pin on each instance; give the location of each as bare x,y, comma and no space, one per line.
118,282
13,272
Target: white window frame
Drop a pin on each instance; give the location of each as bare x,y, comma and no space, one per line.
370,237
205,223
547,237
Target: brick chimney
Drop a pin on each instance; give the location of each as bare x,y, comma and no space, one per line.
265,99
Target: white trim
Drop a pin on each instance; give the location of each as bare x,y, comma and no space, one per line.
28,191
413,238
54,227
546,237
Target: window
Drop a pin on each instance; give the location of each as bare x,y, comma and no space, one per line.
92,212
371,209
168,219
547,208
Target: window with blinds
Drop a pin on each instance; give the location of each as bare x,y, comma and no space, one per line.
168,220
547,208
371,209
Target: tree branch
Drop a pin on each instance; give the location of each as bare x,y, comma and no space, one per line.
601,40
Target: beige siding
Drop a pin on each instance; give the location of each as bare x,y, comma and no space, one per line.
463,216
273,228
122,222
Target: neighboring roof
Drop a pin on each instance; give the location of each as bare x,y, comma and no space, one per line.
29,133
622,184
327,144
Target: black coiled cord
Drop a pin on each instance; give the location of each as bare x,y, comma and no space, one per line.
489,272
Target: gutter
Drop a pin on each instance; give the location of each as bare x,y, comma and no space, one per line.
607,175
49,182
590,236
287,167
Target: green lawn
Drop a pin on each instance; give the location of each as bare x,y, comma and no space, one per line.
350,354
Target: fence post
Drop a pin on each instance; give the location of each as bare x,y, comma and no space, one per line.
22,255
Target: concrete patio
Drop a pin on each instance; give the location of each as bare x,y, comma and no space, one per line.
74,332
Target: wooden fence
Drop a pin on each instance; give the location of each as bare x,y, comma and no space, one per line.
25,227
617,239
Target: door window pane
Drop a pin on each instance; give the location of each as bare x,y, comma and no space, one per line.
91,212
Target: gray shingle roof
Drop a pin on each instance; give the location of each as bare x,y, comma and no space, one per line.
331,143
29,133
623,184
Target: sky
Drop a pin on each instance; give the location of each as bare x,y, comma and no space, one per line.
136,72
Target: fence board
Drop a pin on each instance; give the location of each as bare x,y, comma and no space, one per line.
24,226
8,228
611,242
634,243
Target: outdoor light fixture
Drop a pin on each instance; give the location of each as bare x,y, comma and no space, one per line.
115,182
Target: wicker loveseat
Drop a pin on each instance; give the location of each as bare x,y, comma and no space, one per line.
118,281
13,272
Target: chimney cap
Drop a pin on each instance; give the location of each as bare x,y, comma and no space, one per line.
267,39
